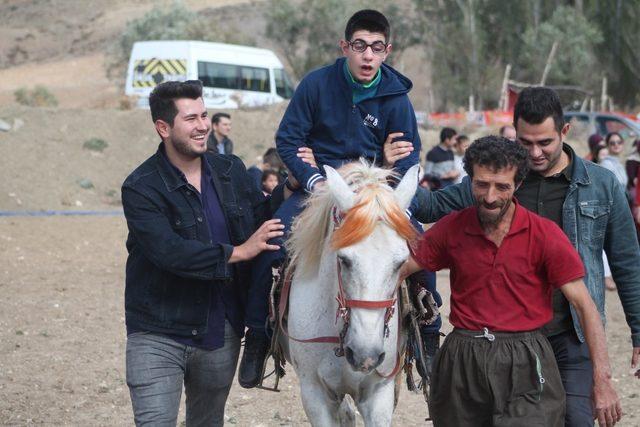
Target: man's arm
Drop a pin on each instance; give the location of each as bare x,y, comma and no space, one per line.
429,206
185,257
292,135
621,246
403,119
606,401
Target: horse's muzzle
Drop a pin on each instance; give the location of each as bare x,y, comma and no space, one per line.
362,361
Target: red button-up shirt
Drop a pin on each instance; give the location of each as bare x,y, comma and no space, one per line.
506,288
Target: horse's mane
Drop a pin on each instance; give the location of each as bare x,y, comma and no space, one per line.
374,203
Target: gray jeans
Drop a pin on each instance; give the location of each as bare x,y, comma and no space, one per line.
157,366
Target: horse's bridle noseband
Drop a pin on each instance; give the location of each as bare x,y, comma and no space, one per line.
345,305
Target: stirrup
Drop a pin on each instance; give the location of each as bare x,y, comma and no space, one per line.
278,365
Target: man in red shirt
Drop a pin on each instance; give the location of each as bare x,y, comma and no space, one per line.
496,368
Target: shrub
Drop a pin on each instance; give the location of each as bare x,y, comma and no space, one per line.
38,97
95,144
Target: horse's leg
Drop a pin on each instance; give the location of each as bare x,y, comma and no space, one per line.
347,412
376,406
322,408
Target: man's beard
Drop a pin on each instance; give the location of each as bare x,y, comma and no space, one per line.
491,218
183,147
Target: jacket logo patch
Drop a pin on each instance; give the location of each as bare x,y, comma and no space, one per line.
370,121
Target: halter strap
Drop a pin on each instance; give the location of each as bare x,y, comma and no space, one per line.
344,312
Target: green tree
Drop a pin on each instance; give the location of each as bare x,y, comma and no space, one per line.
619,49
576,38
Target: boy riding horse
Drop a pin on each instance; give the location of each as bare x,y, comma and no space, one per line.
342,112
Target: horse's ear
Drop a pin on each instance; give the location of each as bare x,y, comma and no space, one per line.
339,189
407,188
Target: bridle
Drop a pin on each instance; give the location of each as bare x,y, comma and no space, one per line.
344,310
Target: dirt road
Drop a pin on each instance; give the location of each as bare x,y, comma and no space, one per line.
62,334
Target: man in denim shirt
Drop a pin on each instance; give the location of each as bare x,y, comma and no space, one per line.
194,223
588,203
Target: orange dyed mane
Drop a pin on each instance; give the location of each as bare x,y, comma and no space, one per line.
375,203
359,221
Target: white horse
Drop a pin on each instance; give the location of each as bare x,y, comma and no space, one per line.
346,249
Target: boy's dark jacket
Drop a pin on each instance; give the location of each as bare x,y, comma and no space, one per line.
322,116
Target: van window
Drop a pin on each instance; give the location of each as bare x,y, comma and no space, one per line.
227,76
218,75
284,88
256,79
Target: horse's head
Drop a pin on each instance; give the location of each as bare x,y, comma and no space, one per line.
370,242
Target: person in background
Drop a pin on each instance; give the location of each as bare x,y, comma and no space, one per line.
270,161
462,143
439,169
219,141
632,165
601,151
595,141
508,132
633,174
615,144
269,181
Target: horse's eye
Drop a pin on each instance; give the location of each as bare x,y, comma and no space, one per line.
346,262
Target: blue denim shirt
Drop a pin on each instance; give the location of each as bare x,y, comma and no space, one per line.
595,216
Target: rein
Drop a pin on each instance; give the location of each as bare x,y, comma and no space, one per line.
344,310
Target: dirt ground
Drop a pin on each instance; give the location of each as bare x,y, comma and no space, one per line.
62,334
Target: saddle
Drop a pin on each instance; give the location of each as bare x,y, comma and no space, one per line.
417,308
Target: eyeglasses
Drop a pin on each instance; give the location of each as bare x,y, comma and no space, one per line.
378,47
615,142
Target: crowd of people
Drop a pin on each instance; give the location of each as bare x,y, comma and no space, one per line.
521,222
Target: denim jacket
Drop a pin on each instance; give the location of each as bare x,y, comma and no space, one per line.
595,216
173,262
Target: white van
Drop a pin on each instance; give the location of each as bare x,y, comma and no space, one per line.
233,76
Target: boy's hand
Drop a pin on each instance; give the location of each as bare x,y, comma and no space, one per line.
306,154
394,151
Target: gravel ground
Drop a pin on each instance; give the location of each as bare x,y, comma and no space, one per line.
62,334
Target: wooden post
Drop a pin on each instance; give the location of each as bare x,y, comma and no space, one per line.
583,107
547,66
504,91
603,97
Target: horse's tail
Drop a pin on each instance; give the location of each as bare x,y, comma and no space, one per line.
347,412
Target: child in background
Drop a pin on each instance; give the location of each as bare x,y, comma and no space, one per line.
269,181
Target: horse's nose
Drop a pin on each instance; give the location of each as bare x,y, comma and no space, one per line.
363,361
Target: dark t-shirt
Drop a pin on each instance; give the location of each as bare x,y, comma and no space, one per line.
545,196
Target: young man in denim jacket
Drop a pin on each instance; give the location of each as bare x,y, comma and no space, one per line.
194,223
588,203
